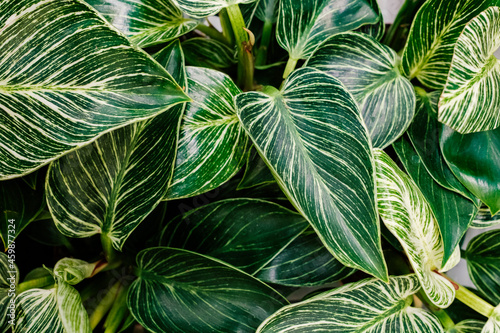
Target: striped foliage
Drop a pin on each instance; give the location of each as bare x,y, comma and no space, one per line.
212,144
484,219
9,276
408,216
360,307
67,76
267,10
470,102
493,323
467,326
312,137
432,38
204,8
111,185
303,25
246,233
180,291
145,22
370,71
483,264
73,271
209,53
376,30
256,172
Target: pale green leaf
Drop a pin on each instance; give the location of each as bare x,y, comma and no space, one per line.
408,216
66,77
9,279
367,306
370,71
204,8
312,137
73,271
467,326
484,219
145,22
469,103
493,323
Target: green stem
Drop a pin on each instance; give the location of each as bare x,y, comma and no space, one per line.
35,283
445,320
110,253
227,29
402,23
245,64
213,33
473,301
117,312
104,305
290,67
261,58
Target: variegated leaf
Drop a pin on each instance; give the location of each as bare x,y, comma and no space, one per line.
408,216
370,71
376,30
303,25
212,144
180,291
470,102
66,77
312,137
432,38
484,219
210,53
73,271
483,263
493,323
9,278
361,307
145,22
467,326
102,188
204,8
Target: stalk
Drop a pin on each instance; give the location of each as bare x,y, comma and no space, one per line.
474,302
118,311
35,283
104,306
213,33
290,67
227,29
261,58
110,253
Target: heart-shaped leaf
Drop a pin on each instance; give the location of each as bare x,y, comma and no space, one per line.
370,71
468,103
212,144
180,291
102,188
9,278
204,8
145,22
303,25
483,219
312,137
364,306
467,326
408,216
51,104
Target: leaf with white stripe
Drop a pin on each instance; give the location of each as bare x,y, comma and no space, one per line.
204,52
145,22
212,144
483,263
376,30
432,38
470,101
493,323
484,219
408,216
204,8
66,77
246,233
179,291
312,137
111,185
370,71
73,271
467,326
9,276
303,25
361,307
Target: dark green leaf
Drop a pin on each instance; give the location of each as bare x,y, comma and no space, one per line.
484,219
210,53
256,172
376,30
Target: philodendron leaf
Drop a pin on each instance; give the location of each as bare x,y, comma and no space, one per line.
246,233
493,323
312,137
408,216
145,22
9,278
432,38
483,263
483,219
212,145
267,10
256,172
52,104
102,188
370,71
453,212
73,271
180,291
303,25
361,307
467,326
204,8
468,103
204,52
475,160
376,30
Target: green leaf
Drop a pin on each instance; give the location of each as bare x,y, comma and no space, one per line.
475,160
267,10
304,262
204,8
246,233
467,326
102,188
365,306
453,213
408,216
68,78
370,71
483,219
9,276
312,137
468,103
145,22
493,323
210,53
180,291
376,30
424,133
212,145
256,172
432,38
303,25
73,271
483,263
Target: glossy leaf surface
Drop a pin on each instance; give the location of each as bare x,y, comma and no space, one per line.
204,8
484,219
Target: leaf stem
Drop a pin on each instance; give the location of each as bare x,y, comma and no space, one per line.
109,253
261,58
225,23
118,311
213,33
35,283
445,320
473,301
245,63
104,305
290,67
